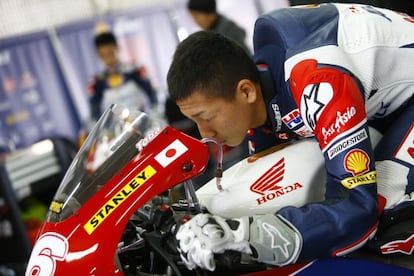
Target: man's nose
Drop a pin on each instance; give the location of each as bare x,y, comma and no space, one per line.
206,131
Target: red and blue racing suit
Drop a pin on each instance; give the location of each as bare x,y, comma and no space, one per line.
335,70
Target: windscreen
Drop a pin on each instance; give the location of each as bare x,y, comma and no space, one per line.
114,140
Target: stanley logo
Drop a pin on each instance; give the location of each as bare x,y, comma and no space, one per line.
123,194
363,179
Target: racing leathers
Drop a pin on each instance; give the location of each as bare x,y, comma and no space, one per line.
330,71
126,85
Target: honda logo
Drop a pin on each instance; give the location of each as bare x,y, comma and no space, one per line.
268,181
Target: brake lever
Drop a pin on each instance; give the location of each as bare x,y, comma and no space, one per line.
191,197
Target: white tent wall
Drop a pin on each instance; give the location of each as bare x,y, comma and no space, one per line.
26,16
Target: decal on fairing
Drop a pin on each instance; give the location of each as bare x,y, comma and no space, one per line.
49,248
171,153
267,184
56,206
118,199
278,193
148,138
268,181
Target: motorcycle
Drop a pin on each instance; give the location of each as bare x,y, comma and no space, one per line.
129,186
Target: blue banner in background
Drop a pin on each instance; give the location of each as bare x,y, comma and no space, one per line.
34,100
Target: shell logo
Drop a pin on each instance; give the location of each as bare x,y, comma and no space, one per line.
357,162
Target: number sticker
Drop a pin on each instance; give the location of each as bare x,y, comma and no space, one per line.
49,248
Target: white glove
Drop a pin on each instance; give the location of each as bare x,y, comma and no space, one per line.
205,234
273,239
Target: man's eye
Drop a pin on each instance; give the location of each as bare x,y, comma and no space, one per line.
208,119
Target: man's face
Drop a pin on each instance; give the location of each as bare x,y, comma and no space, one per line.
226,121
201,19
108,53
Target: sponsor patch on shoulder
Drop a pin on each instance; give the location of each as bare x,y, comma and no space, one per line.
314,99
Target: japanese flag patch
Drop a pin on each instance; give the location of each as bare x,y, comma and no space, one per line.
171,153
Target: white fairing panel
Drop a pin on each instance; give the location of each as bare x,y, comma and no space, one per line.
292,175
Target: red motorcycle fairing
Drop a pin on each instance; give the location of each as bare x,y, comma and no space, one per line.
84,243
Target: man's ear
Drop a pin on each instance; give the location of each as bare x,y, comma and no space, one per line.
246,90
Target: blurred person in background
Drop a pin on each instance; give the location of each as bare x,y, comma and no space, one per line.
119,83
205,15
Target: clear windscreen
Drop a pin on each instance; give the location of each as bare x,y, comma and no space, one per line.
115,139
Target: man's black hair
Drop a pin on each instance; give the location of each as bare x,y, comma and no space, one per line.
105,39
206,6
211,64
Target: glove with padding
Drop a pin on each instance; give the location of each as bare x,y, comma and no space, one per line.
205,234
268,238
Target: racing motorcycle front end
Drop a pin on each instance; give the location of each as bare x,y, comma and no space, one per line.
125,167
129,189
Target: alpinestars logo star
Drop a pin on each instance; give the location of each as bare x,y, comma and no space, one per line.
399,246
278,241
267,182
312,106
